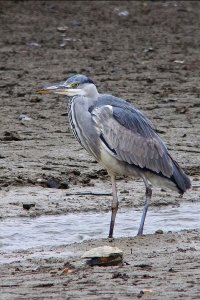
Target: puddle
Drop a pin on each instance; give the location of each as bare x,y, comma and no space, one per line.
24,233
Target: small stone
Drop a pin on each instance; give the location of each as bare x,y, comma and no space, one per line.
24,117
171,270
34,44
147,291
159,231
40,180
27,206
177,61
64,185
120,275
67,271
11,136
150,49
62,28
51,183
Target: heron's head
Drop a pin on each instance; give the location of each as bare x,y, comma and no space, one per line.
77,85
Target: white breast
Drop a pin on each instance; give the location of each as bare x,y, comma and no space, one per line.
115,166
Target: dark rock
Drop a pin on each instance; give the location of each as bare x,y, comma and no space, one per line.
11,136
27,206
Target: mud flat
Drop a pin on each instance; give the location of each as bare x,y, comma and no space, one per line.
144,51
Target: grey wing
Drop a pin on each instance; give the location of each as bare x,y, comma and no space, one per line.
129,136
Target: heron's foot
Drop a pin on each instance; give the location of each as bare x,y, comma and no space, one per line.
110,239
140,232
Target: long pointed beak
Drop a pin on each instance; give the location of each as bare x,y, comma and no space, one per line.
59,88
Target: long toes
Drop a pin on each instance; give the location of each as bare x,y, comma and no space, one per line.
110,239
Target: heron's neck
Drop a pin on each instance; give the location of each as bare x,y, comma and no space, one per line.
89,97
91,92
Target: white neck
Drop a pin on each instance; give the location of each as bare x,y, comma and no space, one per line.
90,91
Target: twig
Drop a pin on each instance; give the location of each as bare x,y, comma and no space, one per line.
88,193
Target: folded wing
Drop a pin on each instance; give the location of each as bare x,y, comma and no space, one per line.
129,136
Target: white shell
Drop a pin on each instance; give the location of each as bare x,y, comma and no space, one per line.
104,251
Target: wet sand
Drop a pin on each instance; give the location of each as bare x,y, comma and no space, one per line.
145,52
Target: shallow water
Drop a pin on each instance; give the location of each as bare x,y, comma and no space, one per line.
24,233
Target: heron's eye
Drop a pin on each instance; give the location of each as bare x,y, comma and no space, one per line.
74,85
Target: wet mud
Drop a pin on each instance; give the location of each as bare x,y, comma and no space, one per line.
144,51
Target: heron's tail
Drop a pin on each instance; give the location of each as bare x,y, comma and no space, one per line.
181,180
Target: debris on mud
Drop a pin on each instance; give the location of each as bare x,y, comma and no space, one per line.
27,206
103,256
11,136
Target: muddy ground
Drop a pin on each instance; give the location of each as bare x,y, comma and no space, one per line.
144,51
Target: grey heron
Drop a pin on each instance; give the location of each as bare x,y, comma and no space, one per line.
121,138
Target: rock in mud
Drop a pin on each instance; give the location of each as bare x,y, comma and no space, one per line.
103,256
11,136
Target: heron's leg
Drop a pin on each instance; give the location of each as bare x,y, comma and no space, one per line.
114,206
146,205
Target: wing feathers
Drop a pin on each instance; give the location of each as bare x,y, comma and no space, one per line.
132,139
